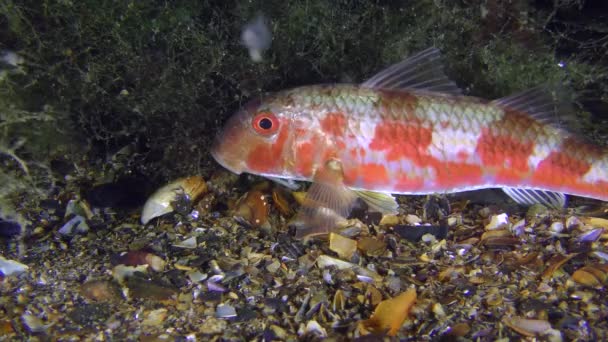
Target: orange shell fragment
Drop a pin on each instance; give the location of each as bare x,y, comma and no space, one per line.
253,207
390,314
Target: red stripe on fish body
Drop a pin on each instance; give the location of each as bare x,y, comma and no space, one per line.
417,142
410,142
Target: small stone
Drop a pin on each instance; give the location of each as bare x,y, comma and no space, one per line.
460,329
279,332
452,221
412,219
371,246
273,267
76,224
225,311
438,311
188,243
213,326
11,267
343,246
101,291
144,289
313,329
556,227
196,276
389,220
428,238
33,323
155,317
498,222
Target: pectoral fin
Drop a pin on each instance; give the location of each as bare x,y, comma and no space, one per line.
327,202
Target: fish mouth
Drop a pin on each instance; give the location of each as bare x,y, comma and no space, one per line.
219,157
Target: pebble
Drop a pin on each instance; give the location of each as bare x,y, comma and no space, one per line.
11,267
225,311
155,317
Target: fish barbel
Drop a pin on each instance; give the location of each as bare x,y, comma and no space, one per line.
409,130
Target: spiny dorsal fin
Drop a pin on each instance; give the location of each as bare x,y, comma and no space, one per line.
543,103
528,197
422,71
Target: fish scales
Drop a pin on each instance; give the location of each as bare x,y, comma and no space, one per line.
412,135
419,143
384,137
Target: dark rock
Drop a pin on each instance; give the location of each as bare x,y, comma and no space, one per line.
125,193
90,315
9,228
415,233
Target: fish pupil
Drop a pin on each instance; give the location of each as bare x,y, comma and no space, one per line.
265,123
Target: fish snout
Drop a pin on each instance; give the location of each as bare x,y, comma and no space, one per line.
225,151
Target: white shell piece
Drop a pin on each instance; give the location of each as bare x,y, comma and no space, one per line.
189,243
9,267
225,311
160,202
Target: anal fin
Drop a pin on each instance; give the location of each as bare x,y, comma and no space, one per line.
528,197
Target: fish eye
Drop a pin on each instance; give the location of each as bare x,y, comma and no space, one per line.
265,123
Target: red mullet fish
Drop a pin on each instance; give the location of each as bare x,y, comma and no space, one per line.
409,130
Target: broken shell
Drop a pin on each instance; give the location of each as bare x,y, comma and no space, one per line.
225,311
34,324
498,222
10,267
155,317
121,272
299,196
324,261
527,327
207,202
595,222
412,219
389,220
339,302
555,263
374,296
313,329
460,329
78,208
592,275
196,276
592,235
161,202
497,233
390,314
450,273
371,246
189,243
135,258
556,227
253,208
101,291
343,246
279,198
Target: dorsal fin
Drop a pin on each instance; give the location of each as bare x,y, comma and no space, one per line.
422,71
543,103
